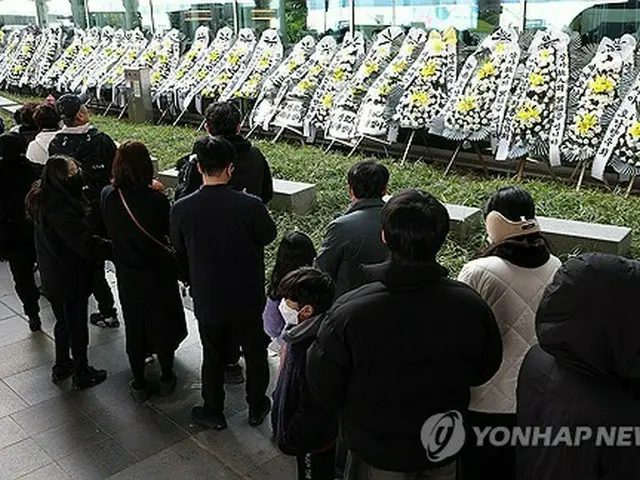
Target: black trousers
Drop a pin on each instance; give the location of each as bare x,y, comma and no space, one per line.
317,466
22,266
102,291
488,461
217,340
137,363
71,332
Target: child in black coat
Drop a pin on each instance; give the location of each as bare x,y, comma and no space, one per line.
300,426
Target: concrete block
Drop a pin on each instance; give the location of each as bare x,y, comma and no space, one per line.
295,197
11,108
6,102
462,220
169,178
566,236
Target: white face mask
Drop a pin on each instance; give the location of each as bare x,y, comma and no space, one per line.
289,314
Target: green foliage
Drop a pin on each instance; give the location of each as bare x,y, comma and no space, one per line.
295,13
328,172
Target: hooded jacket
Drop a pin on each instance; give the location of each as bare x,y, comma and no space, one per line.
397,351
251,171
351,241
299,424
38,150
585,371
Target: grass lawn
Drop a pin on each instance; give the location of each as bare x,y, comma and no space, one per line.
328,172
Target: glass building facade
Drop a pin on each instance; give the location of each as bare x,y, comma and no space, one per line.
593,19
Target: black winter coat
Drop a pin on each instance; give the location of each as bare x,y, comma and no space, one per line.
250,171
395,352
220,235
67,249
585,371
299,424
16,179
147,273
352,241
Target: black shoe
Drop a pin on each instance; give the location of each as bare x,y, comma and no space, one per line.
62,371
139,394
104,321
203,417
168,387
233,375
89,378
35,325
257,415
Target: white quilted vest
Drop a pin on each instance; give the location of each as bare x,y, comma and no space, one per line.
514,294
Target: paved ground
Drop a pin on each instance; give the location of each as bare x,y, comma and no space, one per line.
49,432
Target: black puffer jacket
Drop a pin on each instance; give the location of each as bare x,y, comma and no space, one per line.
584,370
393,353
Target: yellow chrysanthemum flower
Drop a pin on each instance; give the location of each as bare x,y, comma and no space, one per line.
327,101
419,98
339,74
214,55
429,70
370,68
291,66
315,70
488,69
234,58
399,66
501,47
155,78
201,74
586,123
466,104
179,74
602,84
438,45
305,85
529,113
545,53
385,90
536,80
634,130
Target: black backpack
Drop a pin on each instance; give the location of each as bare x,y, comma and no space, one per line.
189,178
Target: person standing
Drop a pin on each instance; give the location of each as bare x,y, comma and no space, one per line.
582,376
137,220
296,250
251,171
300,426
25,124
354,239
48,122
511,276
220,235
67,251
94,152
16,232
395,354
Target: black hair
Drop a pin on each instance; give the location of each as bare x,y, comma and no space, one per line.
528,251
513,203
55,178
308,286
415,226
368,179
223,118
295,250
214,154
46,117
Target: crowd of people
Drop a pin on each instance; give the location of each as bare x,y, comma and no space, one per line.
374,337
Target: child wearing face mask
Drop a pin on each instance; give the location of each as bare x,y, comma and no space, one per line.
295,250
300,426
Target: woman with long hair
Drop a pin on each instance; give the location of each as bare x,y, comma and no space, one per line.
136,215
17,176
295,250
511,276
67,250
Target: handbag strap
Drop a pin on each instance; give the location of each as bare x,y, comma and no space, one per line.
140,227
